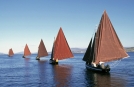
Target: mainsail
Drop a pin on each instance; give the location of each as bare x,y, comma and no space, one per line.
61,49
10,53
42,50
107,44
26,51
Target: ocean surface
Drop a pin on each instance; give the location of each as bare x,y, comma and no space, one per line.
27,72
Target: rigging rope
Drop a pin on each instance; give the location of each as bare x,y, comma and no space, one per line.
115,63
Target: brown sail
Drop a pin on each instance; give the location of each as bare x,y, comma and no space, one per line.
107,44
26,51
42,50
11,53
61,49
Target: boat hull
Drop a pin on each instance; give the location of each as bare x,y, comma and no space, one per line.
37,58
97,69
53,62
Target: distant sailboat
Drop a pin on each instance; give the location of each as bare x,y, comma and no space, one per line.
42,52
105,47
60,49
26,51
10,53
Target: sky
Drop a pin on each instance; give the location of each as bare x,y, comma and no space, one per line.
28,21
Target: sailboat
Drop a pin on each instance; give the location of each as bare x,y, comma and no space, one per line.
105,47
26,51
42,52
10,53
60,49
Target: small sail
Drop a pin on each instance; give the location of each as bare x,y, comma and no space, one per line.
52,50
11,53
92,51
26,51
88,52
107,44
61,49
42,50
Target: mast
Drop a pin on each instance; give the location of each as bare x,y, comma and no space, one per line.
26,51
61,49
42,50
107,44
11,53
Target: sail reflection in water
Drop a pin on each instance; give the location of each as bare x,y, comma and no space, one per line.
103,80
27,70
42,68
62,75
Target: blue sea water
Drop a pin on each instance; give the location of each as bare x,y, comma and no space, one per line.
27,72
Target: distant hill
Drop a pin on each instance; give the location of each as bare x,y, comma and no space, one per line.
19,52
78,50
129,49
83,50
1,53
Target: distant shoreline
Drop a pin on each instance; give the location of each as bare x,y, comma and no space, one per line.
83,50
80,50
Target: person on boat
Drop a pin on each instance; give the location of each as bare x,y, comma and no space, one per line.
101,65
57,60
93,64
53,60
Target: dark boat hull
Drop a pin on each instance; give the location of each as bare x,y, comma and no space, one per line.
97,69
53,62
37,58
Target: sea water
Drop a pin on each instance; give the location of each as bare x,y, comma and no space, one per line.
27,72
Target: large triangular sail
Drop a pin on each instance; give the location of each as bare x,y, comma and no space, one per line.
42,50
107,44
26,51
10,53
61,49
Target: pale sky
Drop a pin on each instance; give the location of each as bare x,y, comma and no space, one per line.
29,21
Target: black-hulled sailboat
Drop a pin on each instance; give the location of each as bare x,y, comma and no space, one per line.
26,51
10,53
60,49
105,47
42,52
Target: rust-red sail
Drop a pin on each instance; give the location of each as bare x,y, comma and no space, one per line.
42,50
11,53
26,51
107,44
61,49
